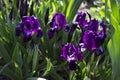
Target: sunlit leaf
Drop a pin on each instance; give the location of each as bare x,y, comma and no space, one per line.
114,43
48,68
72,9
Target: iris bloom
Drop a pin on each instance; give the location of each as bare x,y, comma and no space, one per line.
28,27
82,21
57,23
93,38
94,32
71,53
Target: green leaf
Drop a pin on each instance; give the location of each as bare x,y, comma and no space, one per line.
6,65
17,56
115,9
72,9
114,43
8,72
69,8
114,50
4,53
55,75
29,57
18,72
35,59
48,68
17,60
72,75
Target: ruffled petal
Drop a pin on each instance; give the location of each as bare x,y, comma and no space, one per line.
72,65
39,33
51,33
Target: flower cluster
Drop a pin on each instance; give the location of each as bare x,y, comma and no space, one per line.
57,23
94,32
28,27
93,36
71,53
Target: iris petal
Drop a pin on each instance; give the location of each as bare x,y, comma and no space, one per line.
71,53
51,33
94,32
28,27
91,40
72,65
39,33
57,23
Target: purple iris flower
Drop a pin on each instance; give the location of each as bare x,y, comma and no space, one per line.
71,53
57,23
81,19
94,32
28,27
91,40
94,36
51,33
67,27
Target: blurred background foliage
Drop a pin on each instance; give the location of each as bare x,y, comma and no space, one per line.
41,57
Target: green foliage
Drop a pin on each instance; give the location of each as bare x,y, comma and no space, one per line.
114,43
41,57
72,9
48,68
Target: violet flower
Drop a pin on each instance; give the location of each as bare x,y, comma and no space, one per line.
82,21
93,38
28,27
94,32
67,28
71,53
57,23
